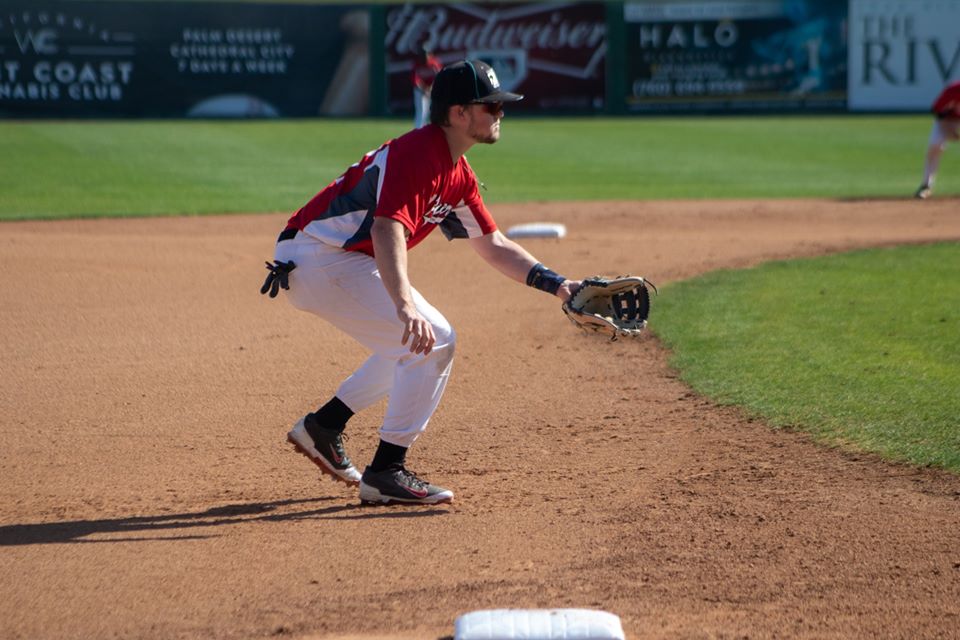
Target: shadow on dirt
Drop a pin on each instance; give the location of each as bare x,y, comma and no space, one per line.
74,531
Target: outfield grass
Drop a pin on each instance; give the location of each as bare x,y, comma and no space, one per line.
861,349
95,168
65,169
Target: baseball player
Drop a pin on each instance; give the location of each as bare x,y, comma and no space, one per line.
425,69
343,257
946,128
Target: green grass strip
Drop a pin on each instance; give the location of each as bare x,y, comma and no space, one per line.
94,168
859,349
90,169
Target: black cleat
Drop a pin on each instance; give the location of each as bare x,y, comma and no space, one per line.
325,448
396,484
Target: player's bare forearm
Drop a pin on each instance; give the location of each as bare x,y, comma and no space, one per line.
512,260
504,255
390,253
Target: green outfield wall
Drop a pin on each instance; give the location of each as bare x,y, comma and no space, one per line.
220,59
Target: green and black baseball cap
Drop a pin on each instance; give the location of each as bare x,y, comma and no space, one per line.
469,81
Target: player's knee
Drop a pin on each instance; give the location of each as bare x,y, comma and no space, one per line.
445,336
444,347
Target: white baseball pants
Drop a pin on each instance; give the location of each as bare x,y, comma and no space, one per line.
421,108
344,288
942,132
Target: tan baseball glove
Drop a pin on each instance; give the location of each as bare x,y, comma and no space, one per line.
611,306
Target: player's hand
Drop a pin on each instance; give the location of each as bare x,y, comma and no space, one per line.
416,329
567,288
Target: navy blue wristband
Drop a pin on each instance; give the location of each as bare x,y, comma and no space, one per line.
544,279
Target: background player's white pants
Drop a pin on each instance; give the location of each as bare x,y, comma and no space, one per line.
943,131
421,107
344,288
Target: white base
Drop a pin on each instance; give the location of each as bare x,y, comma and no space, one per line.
538,624
537,230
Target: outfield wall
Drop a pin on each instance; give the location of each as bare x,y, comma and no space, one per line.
902,53
126,58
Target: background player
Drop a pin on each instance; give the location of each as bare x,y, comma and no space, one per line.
345,257
425,68
946,128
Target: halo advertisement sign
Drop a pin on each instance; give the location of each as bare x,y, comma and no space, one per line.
555,53
107,59
747,55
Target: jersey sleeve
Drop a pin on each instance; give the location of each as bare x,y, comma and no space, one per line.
470,218
405,191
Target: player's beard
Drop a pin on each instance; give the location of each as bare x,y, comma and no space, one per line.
484,135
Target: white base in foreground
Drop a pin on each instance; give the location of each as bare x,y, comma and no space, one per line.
538,624
537,230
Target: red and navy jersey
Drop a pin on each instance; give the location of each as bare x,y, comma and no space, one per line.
411,179
947,103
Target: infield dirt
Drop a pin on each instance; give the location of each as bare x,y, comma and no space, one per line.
148,490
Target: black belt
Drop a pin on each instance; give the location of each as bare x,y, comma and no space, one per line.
287,234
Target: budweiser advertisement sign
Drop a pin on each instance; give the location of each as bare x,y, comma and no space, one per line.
553,53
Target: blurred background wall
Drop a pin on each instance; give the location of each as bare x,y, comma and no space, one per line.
164,59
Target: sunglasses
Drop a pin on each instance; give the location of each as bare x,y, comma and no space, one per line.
493,108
